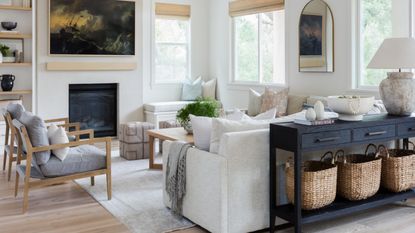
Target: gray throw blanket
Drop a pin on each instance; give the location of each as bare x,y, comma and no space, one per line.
176,175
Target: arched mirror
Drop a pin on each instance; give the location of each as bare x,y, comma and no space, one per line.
316,38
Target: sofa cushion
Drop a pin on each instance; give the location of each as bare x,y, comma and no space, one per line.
295,103
275,99
255,102
38,135
15,110
192,89
202,127
314,98
209,89
172,106
222,126
79,159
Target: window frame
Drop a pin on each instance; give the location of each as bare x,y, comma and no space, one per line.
234,56
357,82
154,44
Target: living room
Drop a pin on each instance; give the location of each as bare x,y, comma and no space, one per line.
196,116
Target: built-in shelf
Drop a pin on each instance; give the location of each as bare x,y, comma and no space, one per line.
26,64
15,36
15,8
16,92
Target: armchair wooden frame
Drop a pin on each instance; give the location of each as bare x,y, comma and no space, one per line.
23,139
10,137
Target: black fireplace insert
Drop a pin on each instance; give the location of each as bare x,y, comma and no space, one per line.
95,107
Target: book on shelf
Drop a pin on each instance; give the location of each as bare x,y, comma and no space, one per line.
315,122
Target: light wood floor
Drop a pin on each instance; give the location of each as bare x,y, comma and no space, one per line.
60,208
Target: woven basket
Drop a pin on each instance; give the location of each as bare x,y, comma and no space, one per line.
318,186
398,169
359,175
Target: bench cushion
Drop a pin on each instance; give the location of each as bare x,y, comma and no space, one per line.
79,159
166,106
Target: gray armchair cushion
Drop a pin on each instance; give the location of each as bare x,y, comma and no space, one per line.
38,135
80,159
15,110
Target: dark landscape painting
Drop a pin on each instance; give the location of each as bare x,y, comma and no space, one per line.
311,34
92,27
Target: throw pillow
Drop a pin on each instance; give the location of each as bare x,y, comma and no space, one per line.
275,99
192,90
51,130
268,115
255,101
202,127
222,126
15,110
238,115
209,89
59,137
38,135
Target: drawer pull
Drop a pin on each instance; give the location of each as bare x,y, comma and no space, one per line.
376,133
411,129
327,139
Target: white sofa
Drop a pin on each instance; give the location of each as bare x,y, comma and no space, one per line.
228,192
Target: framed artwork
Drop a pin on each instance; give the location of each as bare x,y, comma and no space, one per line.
312,40
91,27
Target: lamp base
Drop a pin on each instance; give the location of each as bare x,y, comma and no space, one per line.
398,93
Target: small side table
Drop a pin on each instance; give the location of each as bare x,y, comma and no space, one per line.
172,134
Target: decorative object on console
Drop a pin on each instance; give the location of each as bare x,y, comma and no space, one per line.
275,99
351,108
310,114
398,89
319,109
316,38
7,82
92,27
191,90
9,26
202,107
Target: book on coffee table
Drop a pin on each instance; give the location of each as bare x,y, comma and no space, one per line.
316,122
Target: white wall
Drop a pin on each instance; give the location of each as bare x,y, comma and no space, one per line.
135,87
338,82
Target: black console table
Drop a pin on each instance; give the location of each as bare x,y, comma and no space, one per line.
300,139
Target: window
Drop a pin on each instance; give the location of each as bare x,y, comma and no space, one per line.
172,43
259,48
378,20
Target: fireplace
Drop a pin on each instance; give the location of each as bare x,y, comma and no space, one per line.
95,107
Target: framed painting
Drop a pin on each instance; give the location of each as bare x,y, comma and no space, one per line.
91,27
312,40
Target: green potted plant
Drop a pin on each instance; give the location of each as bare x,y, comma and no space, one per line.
202,107
3,52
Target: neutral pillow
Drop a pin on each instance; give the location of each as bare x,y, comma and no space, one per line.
192,90
255,101
38,135
238,115
202,127
15,110
209,89
268,115
51,130
314,98
59,137
275,99
222,126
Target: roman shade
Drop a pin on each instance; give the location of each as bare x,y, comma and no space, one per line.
248,7
172,10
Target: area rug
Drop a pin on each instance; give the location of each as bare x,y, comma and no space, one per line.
137,199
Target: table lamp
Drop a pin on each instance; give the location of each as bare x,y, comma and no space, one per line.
398,89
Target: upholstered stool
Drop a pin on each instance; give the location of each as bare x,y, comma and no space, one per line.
167,125
134,140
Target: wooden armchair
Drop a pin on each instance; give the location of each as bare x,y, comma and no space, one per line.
32,170
10,148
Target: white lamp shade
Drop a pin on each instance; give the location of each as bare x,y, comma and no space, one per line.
395,53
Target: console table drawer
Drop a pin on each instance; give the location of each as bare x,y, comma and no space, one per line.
326,138
407,129
378,132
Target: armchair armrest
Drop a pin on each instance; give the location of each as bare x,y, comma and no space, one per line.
78,133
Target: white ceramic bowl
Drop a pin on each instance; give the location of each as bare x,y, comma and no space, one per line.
351,108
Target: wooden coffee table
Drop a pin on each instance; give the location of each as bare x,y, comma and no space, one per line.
171,134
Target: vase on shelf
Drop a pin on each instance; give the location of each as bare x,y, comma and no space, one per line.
7,82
